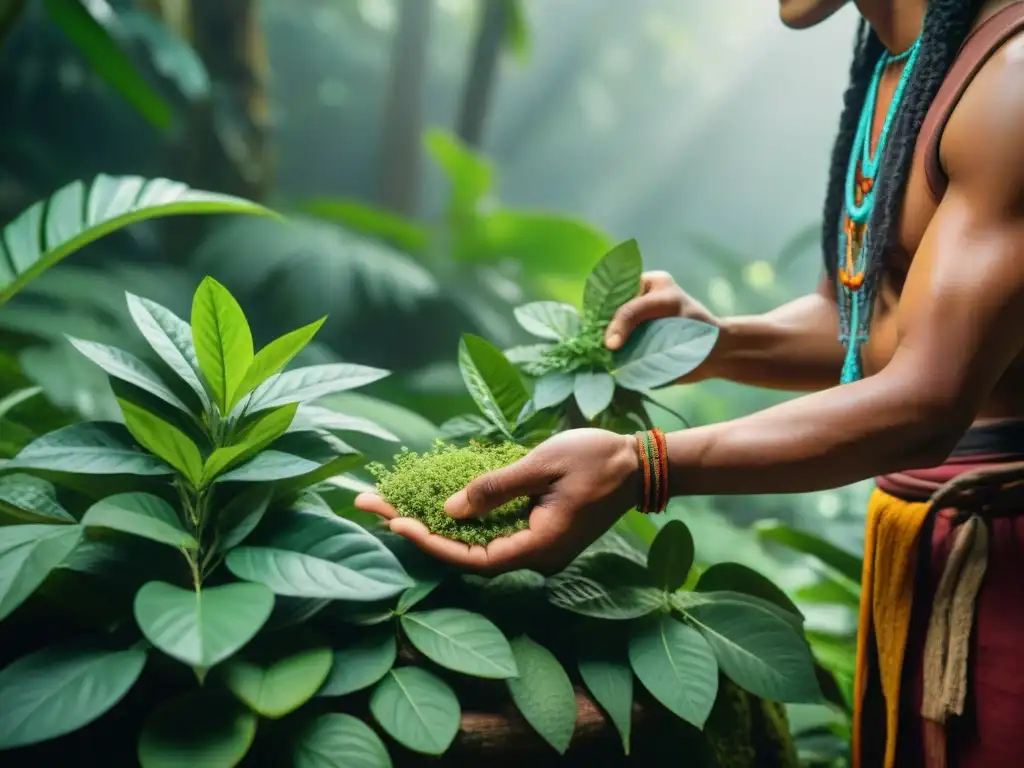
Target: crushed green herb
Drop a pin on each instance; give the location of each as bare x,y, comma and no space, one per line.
419,484
587,348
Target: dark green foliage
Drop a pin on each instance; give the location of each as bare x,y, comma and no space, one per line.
419,484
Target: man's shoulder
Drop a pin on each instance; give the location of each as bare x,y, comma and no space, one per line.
984,139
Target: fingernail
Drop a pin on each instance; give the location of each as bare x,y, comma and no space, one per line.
614,340
457,505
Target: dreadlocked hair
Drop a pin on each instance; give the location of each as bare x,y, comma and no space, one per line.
946,26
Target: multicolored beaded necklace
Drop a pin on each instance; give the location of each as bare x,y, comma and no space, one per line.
854,299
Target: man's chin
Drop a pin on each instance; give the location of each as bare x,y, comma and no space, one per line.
801,14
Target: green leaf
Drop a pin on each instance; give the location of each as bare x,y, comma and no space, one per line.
27,555
550,320
163,440
684,601
29,499
363,662
311,418
417,709
203,728
543,244
126,367
492,381
832,589
733,577
605,670
140,514
758,651
605,585
92,448
470,174
9,402
543,693
614,281
201,628
96,30
241,516
662,351
60,689
223,341
169,53
75,216
553,389
295,574
279,674
338,741
310,383
517,32
304,554
848,564
527,354
594,391
417,593
370,221
171,339
676,664
671,555
253,440
275,356
461,641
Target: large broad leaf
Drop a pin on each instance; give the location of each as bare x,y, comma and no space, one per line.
553,389
417,709
758,651
309,383
92,448
27,555
470,173
96,30
362,662
203,728
305,554
604,667
594,391
279,674
201,628
662,351
171,339
275,356
492,381
550,320
671,555
462,641
58,690
315,417
543,693
28,499
163,440
676,664
605,585
223,341
126,367
76,216
338,741
848,564
140,514
614,281
733,577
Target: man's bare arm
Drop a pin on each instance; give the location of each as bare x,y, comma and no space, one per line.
960,325
795,347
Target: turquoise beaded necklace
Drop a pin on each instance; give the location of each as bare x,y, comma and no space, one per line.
854,299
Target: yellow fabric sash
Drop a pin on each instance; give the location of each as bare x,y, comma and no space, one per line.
887,595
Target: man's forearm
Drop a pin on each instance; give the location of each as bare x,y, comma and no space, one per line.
794,347
823,440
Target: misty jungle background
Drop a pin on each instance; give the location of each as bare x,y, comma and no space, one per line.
440,161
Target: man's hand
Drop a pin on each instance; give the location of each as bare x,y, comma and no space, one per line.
580,481
659,297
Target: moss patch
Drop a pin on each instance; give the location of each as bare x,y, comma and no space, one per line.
419,484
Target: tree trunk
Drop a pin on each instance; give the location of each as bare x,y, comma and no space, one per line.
400,152
483,69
